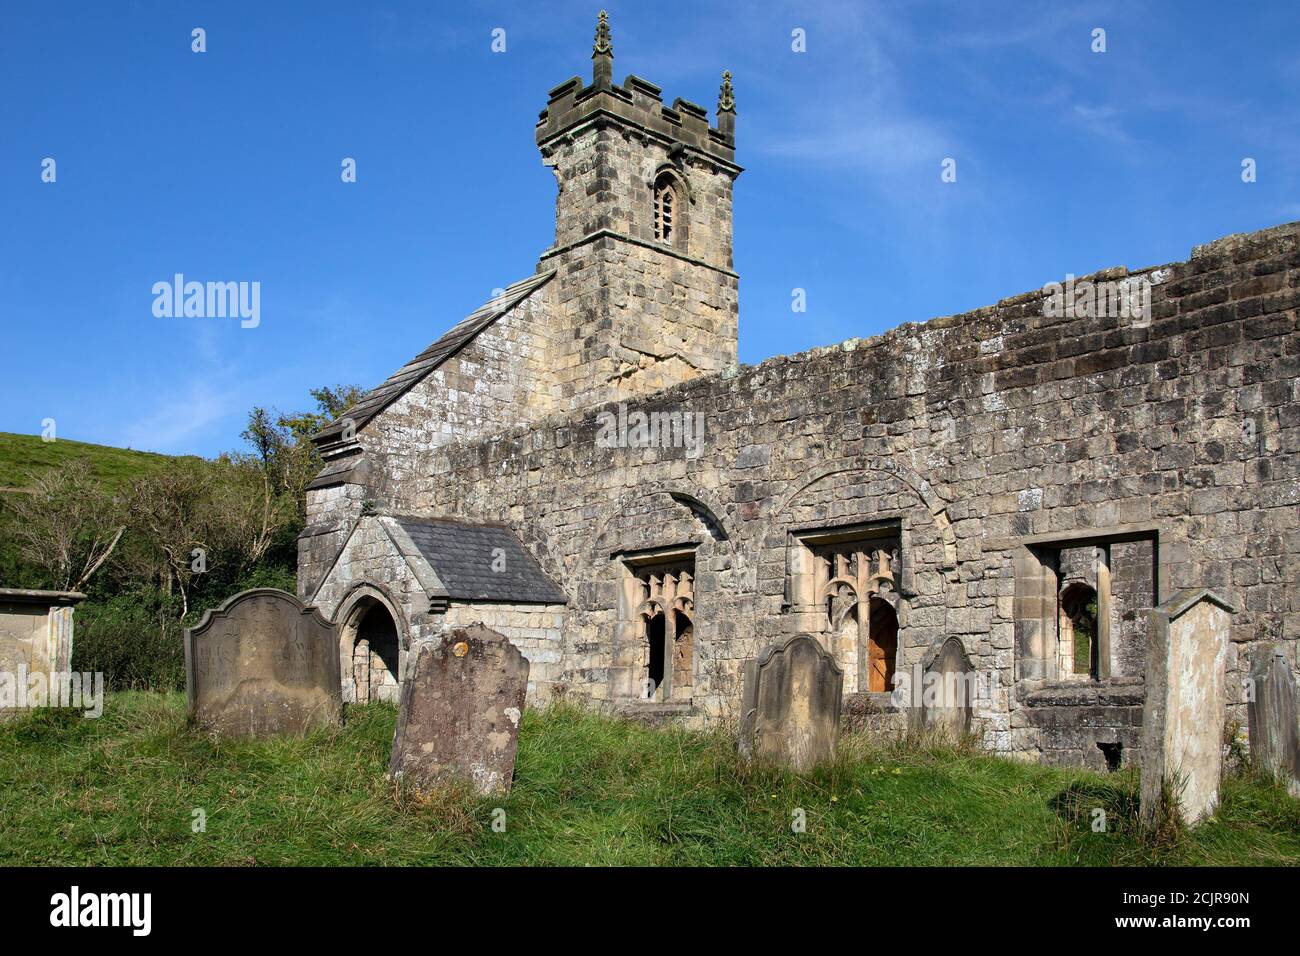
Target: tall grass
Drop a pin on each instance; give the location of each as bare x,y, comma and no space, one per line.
588,789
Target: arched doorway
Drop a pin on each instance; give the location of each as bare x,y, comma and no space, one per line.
370,647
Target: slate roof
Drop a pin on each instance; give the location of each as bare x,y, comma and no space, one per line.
397,384
461,555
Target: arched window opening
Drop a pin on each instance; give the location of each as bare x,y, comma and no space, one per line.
882,646
847,572
683,655
654,635
666,209
1078,632
662,593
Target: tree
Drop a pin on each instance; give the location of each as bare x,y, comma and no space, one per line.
69,525
170,518
248,513
282,442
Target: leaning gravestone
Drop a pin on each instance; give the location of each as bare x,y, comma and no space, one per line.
1182,722
791,709
263,663
460,709
945,700
1271,714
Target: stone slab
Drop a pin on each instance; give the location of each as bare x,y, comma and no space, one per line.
460,709
945,701
1271,717
791,710
263,664
1182,724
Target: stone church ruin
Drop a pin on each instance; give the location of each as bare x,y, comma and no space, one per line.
1011,490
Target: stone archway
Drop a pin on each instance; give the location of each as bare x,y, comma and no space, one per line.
371,648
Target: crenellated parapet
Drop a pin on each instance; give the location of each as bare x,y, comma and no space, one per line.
639,104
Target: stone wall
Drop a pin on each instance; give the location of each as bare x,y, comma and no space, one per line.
975,435
536,629
500,379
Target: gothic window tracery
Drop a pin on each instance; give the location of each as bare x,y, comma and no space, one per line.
850,578
665,609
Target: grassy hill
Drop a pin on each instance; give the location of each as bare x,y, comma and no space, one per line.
24,456
123,790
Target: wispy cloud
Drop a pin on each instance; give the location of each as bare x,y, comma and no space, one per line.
178,419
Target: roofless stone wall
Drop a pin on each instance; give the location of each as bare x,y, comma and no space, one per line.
981,437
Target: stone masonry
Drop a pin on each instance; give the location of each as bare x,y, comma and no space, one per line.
1012,464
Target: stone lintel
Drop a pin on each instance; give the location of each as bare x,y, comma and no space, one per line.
47,598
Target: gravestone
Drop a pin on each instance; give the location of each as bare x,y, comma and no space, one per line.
1182,722
944,701
1271,715
791,709
460,710
261,664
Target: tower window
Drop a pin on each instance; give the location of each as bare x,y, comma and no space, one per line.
665,209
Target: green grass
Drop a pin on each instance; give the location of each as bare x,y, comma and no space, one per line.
22,457
588,790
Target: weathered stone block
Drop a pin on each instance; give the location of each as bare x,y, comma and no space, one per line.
460,710
1182,726
35,639
791,710
262,664
1271,716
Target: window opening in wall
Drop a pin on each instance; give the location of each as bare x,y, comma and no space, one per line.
663,598
1078,631
1113,753
654,637
1082,606
882,647
665,208
850,575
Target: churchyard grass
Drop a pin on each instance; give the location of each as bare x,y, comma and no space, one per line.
132,787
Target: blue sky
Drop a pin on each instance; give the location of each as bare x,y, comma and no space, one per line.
225,166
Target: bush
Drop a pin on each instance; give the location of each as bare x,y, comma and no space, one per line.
134,639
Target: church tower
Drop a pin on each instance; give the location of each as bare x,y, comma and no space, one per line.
644,282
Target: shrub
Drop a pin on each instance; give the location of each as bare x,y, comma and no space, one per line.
134,639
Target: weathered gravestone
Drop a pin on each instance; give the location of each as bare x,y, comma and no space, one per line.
1271,715
460,710
943,700
1182,722
262,663
791,709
